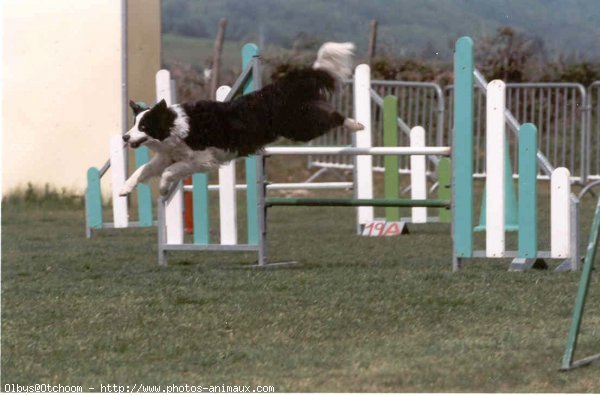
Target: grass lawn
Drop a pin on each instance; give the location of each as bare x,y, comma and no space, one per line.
361,314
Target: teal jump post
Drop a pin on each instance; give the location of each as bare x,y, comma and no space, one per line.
201,214
249,51
144,192
527,208
462,152
93,201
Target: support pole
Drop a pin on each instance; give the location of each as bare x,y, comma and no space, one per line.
390,162
249,51
584,283
200,209
528,247
495,164
144,193
418,174
363,164
93,202
462,152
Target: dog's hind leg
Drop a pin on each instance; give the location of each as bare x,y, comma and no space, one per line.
353,125
317,119
334,118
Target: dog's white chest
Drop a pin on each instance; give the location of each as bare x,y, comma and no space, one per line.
178,151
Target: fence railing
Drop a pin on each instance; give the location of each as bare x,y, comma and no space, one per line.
593,124
567,116
419,103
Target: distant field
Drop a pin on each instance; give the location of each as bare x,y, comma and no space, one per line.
198,51
361,314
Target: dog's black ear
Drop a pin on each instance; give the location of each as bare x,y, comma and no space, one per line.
161,104
136,107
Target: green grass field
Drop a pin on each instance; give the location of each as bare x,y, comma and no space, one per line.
360,314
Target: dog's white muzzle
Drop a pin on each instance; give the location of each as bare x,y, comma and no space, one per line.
135,138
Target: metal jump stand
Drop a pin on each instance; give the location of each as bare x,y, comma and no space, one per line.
248,81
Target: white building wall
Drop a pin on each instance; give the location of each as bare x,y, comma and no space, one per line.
61,87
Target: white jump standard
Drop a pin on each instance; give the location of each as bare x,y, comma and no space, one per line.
563,244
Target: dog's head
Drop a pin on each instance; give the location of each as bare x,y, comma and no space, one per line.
151,125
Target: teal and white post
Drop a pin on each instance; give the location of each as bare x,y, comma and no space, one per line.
462,152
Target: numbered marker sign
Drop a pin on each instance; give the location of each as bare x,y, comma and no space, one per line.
383,228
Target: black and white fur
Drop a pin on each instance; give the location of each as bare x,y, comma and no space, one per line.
193,137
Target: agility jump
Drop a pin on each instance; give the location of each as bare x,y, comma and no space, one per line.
170,223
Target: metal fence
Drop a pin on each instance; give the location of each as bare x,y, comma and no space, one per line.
593,124
557,109
566,114
419,103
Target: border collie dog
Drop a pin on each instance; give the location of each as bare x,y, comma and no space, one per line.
193,137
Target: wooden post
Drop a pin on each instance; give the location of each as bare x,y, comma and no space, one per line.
216,60
372,41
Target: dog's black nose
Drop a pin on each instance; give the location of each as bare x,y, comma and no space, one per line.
125,137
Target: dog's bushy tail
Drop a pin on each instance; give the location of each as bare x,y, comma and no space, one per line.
336,59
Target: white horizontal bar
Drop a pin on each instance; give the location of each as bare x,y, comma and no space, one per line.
311,185
357,151
287,185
